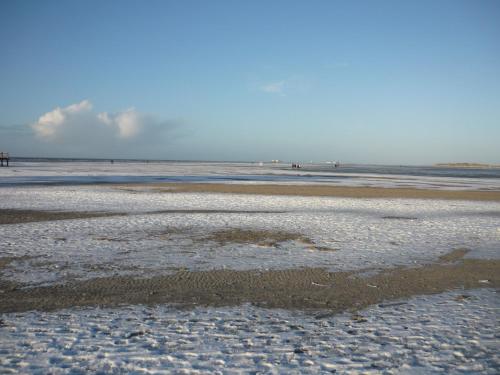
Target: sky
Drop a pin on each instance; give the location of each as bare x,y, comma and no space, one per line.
382,82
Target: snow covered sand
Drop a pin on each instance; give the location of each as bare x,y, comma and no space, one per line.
166,232
173,234
453,332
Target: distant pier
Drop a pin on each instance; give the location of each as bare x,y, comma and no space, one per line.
4,157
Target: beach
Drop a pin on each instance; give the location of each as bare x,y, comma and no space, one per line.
249,187
233,269
321,191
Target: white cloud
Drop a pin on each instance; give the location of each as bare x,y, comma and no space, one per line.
77,130
274,87
128,123
49,123
83,106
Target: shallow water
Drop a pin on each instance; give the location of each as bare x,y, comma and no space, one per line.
63,172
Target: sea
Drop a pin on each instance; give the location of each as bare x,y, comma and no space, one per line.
58,171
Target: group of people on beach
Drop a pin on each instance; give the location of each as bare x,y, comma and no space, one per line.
296,165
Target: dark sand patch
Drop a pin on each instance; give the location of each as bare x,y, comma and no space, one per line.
462,297
317,190
252,236
13,216
454,256
268,238
6,261
162,234
323,248
110,239
310,288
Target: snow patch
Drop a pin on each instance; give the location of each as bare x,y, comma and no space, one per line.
449,332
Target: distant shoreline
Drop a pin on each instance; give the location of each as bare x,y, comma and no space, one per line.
467,165
281,162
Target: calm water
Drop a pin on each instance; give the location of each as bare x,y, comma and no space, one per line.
406,170
85,171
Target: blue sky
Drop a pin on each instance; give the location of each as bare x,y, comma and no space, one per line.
398,82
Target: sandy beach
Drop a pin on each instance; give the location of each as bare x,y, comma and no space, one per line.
235,252
249,187
319,191
310,288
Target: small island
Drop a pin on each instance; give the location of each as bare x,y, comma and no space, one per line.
466,165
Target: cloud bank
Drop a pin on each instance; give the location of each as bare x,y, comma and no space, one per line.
78,131
78,118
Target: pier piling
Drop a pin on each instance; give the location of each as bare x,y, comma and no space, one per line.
4,157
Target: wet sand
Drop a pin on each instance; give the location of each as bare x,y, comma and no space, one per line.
12,216
251,236
317,191
308,288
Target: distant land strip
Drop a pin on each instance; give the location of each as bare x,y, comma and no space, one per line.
318,191
466,165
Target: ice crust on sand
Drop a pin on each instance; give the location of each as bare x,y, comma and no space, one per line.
163,232
451,332
343,233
